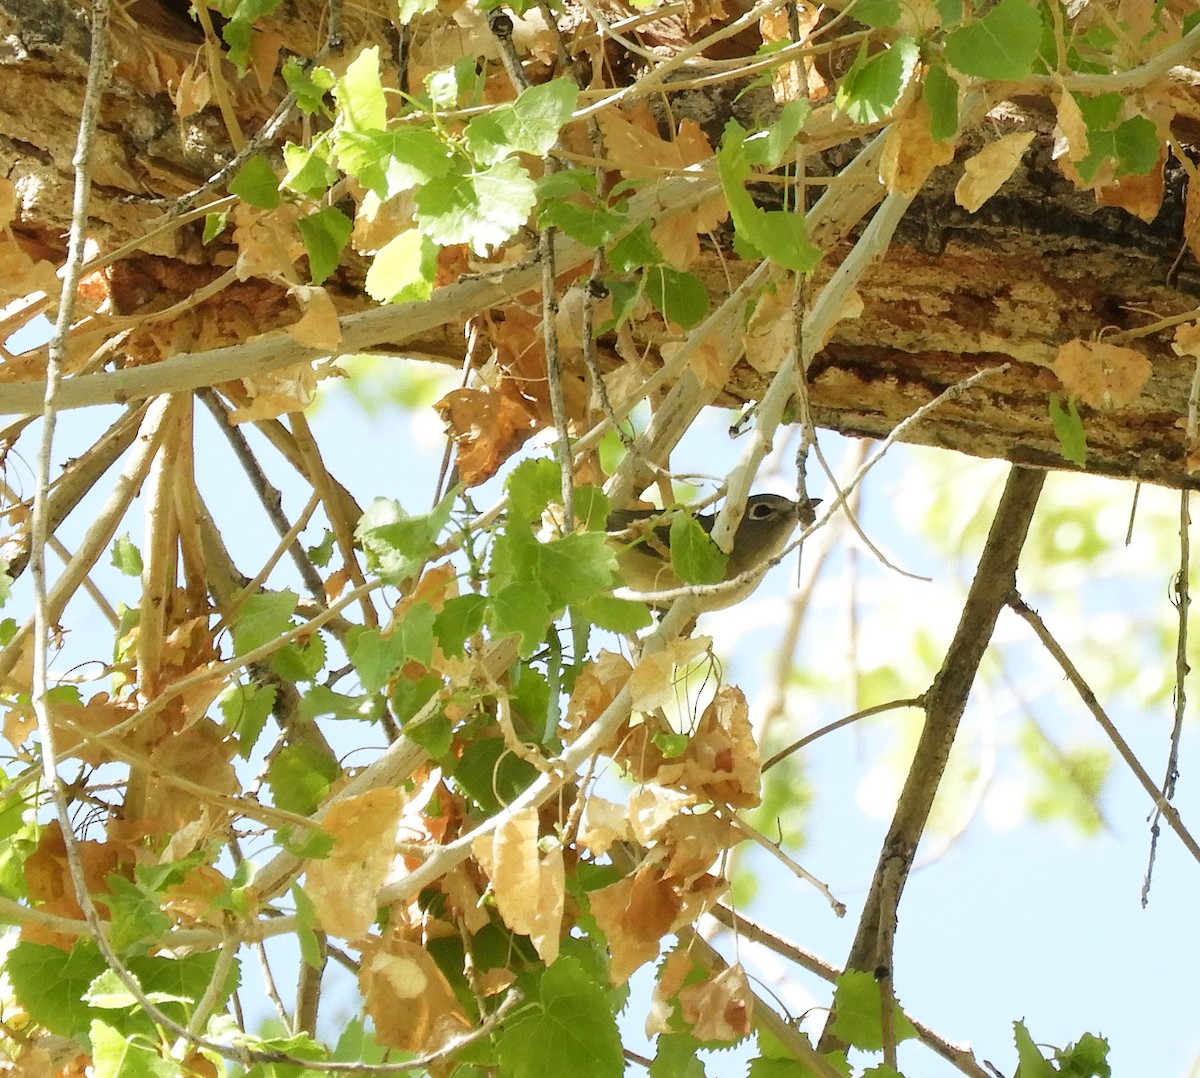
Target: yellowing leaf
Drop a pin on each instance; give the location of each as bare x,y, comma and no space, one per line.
407,997
910,152
1102,375
719,1008
988,169
1140,195
318,326
528,884
1073,127
343,885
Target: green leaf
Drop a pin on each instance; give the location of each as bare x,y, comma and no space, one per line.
376,656
491,775
568,1028
256,184
941,96
522,610
359,93
1087,1058
50,983
857,1003
460,618
695,558
135,913
306,919
300,662
528,125
114,1055
567,570
592,225
1030,1061
214,225
322,552
767,149
246,708
615,615
634,250
675,1056
1003,44
308,170
1068,429
300,777
320,700
403,269
876,12
263,617
873,85
776,234
396,544
126,557
389,162
681,297
325,234
309,87
482,208
532,486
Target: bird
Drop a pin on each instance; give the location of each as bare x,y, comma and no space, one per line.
644,553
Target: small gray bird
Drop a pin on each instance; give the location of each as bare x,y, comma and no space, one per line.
644,555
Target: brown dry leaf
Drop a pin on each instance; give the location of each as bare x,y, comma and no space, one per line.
1140,195
19,723
20,274
605,822
910,153
487,426
771,331
491,982
652,808
194,89
721,761
275,393
1187,340
1073,127
201,754
268,241
408,997
48,879
633,145
987,170
1191,219
192,901
318,326
1102,375
595,688
671,975
720,1008
463,896
693,841
712,357
653,679
787,82
76,724
528,883
634,914
343,885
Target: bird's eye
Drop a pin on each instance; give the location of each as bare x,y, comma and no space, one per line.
761,511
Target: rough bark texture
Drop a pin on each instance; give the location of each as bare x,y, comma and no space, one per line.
1038,265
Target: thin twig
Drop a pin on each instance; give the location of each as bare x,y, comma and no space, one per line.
945,702
1106,724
